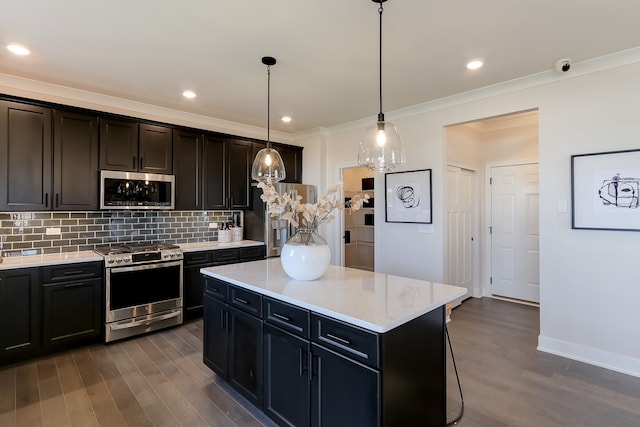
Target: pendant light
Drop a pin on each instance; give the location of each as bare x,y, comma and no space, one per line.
381,147
268,165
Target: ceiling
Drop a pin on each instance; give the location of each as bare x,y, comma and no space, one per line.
327,51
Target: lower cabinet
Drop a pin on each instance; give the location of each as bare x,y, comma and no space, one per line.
216,336
245,355
343,392
50,307
193,281
71,312
20,313
286,379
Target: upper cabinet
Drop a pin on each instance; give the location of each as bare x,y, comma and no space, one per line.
25,157
187,168
41,169
75,161
129,146
227,173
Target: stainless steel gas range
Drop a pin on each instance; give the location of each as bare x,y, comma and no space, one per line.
143,288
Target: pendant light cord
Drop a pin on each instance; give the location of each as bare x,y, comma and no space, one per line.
380,114
268,106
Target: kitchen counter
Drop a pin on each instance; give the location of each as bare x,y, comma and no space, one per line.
374,301
25,261
204,246
48,259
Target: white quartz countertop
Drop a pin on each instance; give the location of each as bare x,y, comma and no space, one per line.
374,301
204,246
48,259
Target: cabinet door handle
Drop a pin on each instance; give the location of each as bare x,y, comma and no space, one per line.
46,200
222,322
340,340
281,317
240,300
141,162
301,359
57,200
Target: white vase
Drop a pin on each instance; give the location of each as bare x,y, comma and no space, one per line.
306,255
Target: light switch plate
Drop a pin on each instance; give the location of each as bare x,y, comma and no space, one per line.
213,225
53,231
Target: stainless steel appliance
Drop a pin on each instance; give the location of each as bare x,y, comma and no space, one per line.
143,284
133,190
274,232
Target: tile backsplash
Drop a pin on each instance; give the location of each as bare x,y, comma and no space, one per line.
80,231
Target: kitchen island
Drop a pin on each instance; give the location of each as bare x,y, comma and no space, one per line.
353,348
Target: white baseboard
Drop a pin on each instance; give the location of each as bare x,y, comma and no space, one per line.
615,362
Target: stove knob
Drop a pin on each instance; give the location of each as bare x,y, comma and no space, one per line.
118,260
110,261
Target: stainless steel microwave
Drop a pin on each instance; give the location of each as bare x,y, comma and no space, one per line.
133,190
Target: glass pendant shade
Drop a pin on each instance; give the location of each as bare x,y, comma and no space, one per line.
268,166
381,148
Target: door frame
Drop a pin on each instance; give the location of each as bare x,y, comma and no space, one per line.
486,236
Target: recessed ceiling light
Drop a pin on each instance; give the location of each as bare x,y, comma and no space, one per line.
475,64
286,119
18,50
189,94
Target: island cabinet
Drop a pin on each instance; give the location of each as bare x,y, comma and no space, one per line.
135,147
354,348
233,337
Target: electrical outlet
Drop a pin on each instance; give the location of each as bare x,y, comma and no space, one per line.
53,231
213,225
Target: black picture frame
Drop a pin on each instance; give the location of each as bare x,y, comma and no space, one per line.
605,191
408,196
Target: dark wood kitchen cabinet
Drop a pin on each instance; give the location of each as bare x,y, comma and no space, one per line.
72,303
227,173
187,168
233,337
135,147
287,362
193,282
75,161
20,313
25,157
42,170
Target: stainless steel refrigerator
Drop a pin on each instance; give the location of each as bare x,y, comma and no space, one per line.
274,232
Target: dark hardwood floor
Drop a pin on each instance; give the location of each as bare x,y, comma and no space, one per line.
159,380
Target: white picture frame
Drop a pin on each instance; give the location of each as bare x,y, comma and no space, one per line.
408,196
605,190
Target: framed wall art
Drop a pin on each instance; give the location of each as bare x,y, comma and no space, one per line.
605,190
408,196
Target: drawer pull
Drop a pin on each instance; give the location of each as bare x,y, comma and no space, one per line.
281,317
240,300
69,273
340,340
215,290
75,285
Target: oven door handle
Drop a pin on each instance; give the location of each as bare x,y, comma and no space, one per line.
146,321
148,266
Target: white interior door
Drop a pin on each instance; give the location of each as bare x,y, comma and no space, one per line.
514,233
460,234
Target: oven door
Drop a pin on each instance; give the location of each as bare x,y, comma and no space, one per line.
143,290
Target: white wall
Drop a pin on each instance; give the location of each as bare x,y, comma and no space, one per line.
589,293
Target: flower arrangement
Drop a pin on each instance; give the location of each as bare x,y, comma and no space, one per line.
310,214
